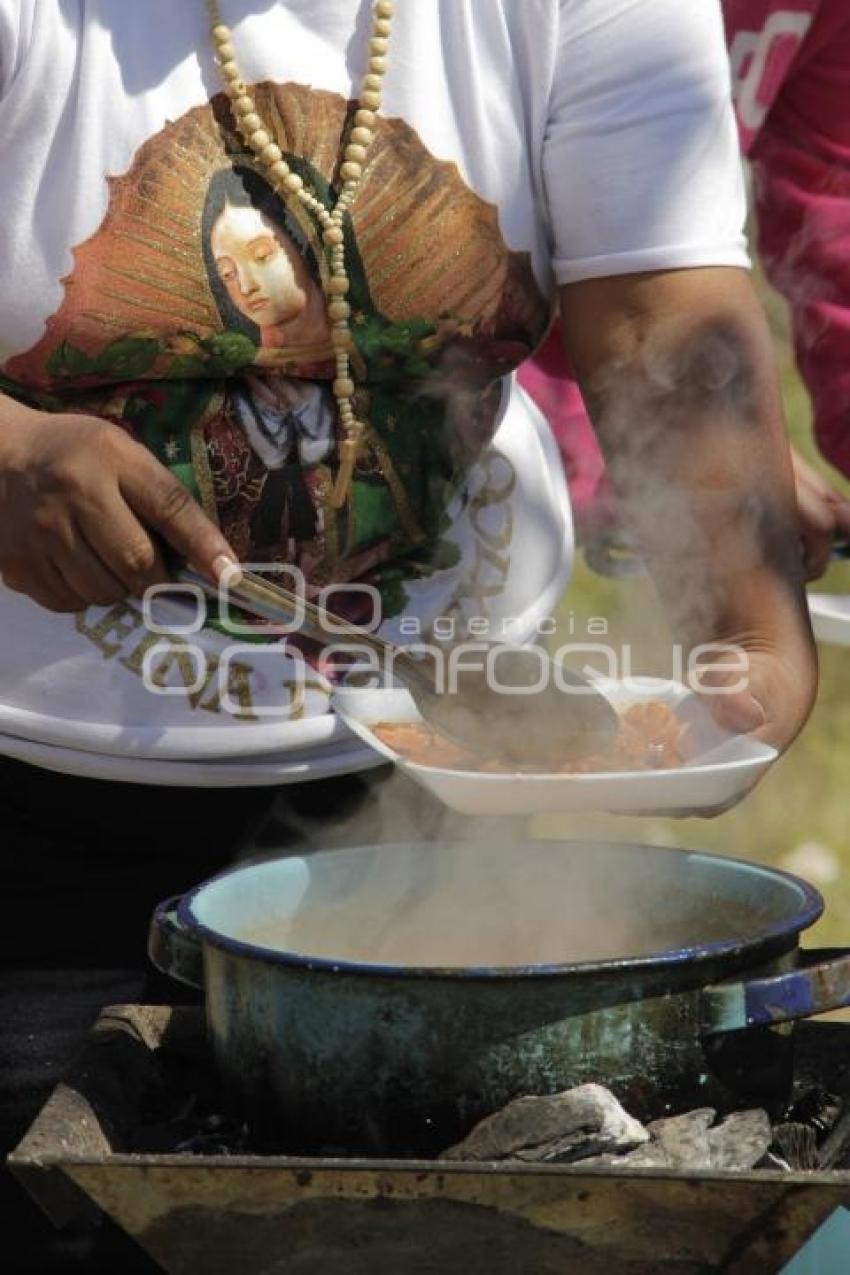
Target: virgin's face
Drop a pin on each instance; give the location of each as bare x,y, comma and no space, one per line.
264,274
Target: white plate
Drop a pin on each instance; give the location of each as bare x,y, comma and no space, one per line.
254,772
76,682
138,742
723,767
830,614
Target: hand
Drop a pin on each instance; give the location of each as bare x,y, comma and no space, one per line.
776,699
824,514
80,502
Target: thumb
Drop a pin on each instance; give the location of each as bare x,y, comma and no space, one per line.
730,697
737,711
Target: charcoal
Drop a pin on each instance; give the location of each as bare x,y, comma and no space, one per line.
774,1162
796,1144
558,1128
816,1107
834,1151
684,1139
741,1140
650,1156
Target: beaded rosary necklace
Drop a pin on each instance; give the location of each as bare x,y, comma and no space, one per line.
289,185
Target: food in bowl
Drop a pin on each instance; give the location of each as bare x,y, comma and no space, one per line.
650,737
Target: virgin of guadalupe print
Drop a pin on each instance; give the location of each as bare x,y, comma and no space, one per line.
195,318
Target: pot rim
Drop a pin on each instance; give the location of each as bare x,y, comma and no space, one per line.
811,907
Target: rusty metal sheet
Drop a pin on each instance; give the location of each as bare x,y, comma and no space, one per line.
285,1216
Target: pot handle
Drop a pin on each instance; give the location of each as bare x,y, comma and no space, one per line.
172,947
819,983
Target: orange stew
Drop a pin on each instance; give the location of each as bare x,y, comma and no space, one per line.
650,738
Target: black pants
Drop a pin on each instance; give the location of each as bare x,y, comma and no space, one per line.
82,865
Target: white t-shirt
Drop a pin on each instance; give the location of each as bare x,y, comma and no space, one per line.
149,275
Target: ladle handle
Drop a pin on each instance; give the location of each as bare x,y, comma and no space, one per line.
269,601
821,982
173,948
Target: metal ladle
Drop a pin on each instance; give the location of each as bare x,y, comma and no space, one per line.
515,720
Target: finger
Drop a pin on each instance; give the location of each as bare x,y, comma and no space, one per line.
124,547
817,555
842,517
43,583
86,574
806,474
165,505
817,531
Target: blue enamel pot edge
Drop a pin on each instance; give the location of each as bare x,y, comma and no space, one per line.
811,907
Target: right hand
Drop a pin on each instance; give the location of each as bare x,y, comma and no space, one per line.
81,507
824,516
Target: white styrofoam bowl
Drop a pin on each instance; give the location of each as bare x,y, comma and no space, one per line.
830,614
721,769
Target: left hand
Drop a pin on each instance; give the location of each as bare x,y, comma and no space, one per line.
777,696
824,515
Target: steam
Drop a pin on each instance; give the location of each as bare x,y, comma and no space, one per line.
679,415
499,905
697,489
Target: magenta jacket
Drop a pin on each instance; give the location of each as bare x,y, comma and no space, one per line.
791,71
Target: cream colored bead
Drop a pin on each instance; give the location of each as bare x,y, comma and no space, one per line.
250,123
234,89
279,171
378,66
259,140
384,8
372,83
333,235
350,171
343,387
355,153
293,183
341,338
382,27
364,118
231,71
378,46
226,51
371,98
361,136
338,286
339,310
271,154
221,34
244,105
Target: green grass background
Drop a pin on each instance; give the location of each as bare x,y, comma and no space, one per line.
799,816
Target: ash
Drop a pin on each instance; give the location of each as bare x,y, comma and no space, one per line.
587,1126
584,1126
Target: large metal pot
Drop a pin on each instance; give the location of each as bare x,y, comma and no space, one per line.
408,990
